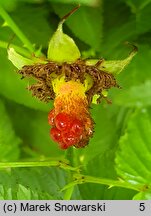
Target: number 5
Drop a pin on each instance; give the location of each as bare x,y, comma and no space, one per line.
142,206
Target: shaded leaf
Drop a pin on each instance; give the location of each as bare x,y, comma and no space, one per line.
86,24
135,96
135,81
9,142
32,183
33,21
133,158
12,87
103,139
9,4
33,129
137,4
142,17
84,2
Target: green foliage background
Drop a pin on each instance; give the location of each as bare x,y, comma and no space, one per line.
119,154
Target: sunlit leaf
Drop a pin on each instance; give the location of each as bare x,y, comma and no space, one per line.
144,195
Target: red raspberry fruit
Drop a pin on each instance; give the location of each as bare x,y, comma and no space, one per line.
55,134
69,138
51,116
63,121
77,127
63,145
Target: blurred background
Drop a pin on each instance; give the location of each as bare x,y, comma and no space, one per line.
100,29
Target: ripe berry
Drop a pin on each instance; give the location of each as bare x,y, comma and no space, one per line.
63,121
77,127
69,138
63,145
55,134
51,116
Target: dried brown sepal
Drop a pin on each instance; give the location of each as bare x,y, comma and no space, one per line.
72,71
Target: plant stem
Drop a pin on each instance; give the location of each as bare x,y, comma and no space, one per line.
110,182
68,193
69,156
57,163
16,29
81,179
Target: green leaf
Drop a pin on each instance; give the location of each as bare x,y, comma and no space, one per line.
92,3
104,137
135,81
137,4
86,24
98,157
9,4
33,20
141,11
41,180
133,158
104,193
32,183
142,18
119,28
12,87
23,193
33,129
135,96
9,142
143,195
62,48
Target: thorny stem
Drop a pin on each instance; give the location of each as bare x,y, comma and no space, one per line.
81,179
75,178
57,163
16,29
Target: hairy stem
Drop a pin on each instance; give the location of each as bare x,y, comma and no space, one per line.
57,163
16,29
81,179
